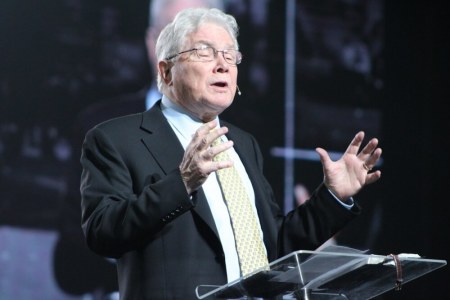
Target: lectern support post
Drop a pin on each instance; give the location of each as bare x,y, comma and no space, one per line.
303,294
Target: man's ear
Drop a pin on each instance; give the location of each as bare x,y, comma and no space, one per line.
164,69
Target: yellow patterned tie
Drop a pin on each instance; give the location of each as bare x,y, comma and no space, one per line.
250,247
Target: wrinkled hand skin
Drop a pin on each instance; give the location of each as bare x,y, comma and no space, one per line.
348,175
198,161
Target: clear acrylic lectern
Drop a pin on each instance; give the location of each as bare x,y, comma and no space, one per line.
334,273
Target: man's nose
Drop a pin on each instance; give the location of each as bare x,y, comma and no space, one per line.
222,65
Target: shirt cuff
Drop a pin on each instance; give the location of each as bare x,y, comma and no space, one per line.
348,205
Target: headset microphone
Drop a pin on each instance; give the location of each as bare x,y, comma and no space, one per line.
238,90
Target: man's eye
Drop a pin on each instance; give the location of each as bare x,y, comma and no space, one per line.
203,53
228,56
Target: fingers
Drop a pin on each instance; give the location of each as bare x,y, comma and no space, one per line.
207,134
372,159
323,154
355,144
202,137
200,152
369,148
369,155
198,160
372,177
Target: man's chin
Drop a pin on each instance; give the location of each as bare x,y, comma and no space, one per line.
221,100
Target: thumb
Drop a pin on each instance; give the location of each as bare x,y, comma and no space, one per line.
324,157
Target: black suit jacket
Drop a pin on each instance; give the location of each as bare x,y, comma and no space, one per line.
135,208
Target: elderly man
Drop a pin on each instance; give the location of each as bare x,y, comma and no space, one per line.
155,185
77,270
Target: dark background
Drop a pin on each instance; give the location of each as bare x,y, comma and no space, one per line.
59,57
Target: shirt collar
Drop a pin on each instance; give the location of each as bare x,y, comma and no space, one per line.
185,123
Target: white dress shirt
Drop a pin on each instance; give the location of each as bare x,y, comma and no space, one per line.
184,126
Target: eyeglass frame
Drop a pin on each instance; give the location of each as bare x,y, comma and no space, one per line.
215,51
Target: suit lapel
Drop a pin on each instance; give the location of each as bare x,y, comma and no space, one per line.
161,141
164,145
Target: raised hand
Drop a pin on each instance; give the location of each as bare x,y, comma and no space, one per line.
348,175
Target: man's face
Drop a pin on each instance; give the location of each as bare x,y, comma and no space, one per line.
204,88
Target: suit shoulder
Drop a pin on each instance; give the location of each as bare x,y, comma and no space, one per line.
120,131
108,109
122,122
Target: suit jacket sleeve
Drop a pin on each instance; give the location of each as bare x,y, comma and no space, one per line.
311,224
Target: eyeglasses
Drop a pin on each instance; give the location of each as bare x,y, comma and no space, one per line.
207,53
